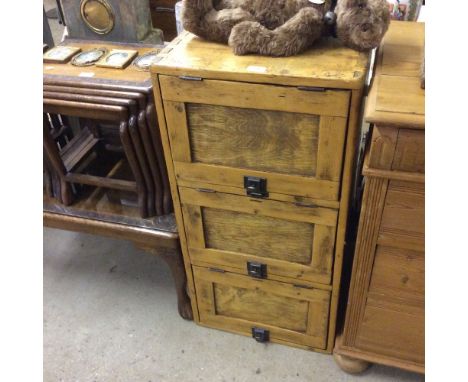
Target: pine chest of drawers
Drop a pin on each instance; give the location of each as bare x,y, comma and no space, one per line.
260,153
384,320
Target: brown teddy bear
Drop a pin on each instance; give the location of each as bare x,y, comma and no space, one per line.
286,27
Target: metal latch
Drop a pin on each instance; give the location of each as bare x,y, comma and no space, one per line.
257,270
260,335
256,187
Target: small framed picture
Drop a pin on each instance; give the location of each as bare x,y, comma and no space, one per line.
117,58
88,57
60,54
144,61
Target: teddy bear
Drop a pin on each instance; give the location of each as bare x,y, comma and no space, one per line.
286,27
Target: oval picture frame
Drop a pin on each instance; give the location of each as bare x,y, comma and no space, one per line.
139,62
76,59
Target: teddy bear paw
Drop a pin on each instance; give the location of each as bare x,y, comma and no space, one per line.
244,37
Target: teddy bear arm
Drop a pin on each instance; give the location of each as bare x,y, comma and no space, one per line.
209,23
294,36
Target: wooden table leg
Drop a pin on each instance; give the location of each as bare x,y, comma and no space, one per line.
176,264
174,259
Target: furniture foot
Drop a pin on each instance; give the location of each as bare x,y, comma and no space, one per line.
351,365
176,264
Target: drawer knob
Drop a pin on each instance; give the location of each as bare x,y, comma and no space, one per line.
257,270
260,335
256,187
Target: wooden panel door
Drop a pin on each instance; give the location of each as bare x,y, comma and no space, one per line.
221,131
230,231
237,303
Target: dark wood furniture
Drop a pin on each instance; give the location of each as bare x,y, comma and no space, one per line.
384,320
132,200
260,153
163,16
110,21
97,96
98,212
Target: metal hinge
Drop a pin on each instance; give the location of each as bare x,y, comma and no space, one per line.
311,88
191,78
302,286
217,270
205,190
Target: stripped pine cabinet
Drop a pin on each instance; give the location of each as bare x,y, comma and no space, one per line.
384,320
260,153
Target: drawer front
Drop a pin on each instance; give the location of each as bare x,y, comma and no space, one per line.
402,224
221,131
398,274
238,303
392,323
391,331
230,231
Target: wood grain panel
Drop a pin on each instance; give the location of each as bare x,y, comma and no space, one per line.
410,151
295,199
369,222
323,248
265,207
259,235
398,274
255,96
193,225
403,215
255,139
277,269
277,183
382,148
331,148
293,241
260,306
178,133
393,333
131,75
410,99
238,303
328,64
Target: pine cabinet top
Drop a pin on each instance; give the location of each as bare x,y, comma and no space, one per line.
326,64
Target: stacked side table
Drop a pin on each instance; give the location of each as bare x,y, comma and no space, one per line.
104,169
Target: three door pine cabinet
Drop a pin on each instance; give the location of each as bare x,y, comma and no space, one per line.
260,153
385,312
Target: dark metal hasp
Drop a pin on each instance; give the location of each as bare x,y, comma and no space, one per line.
260,335
256,187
